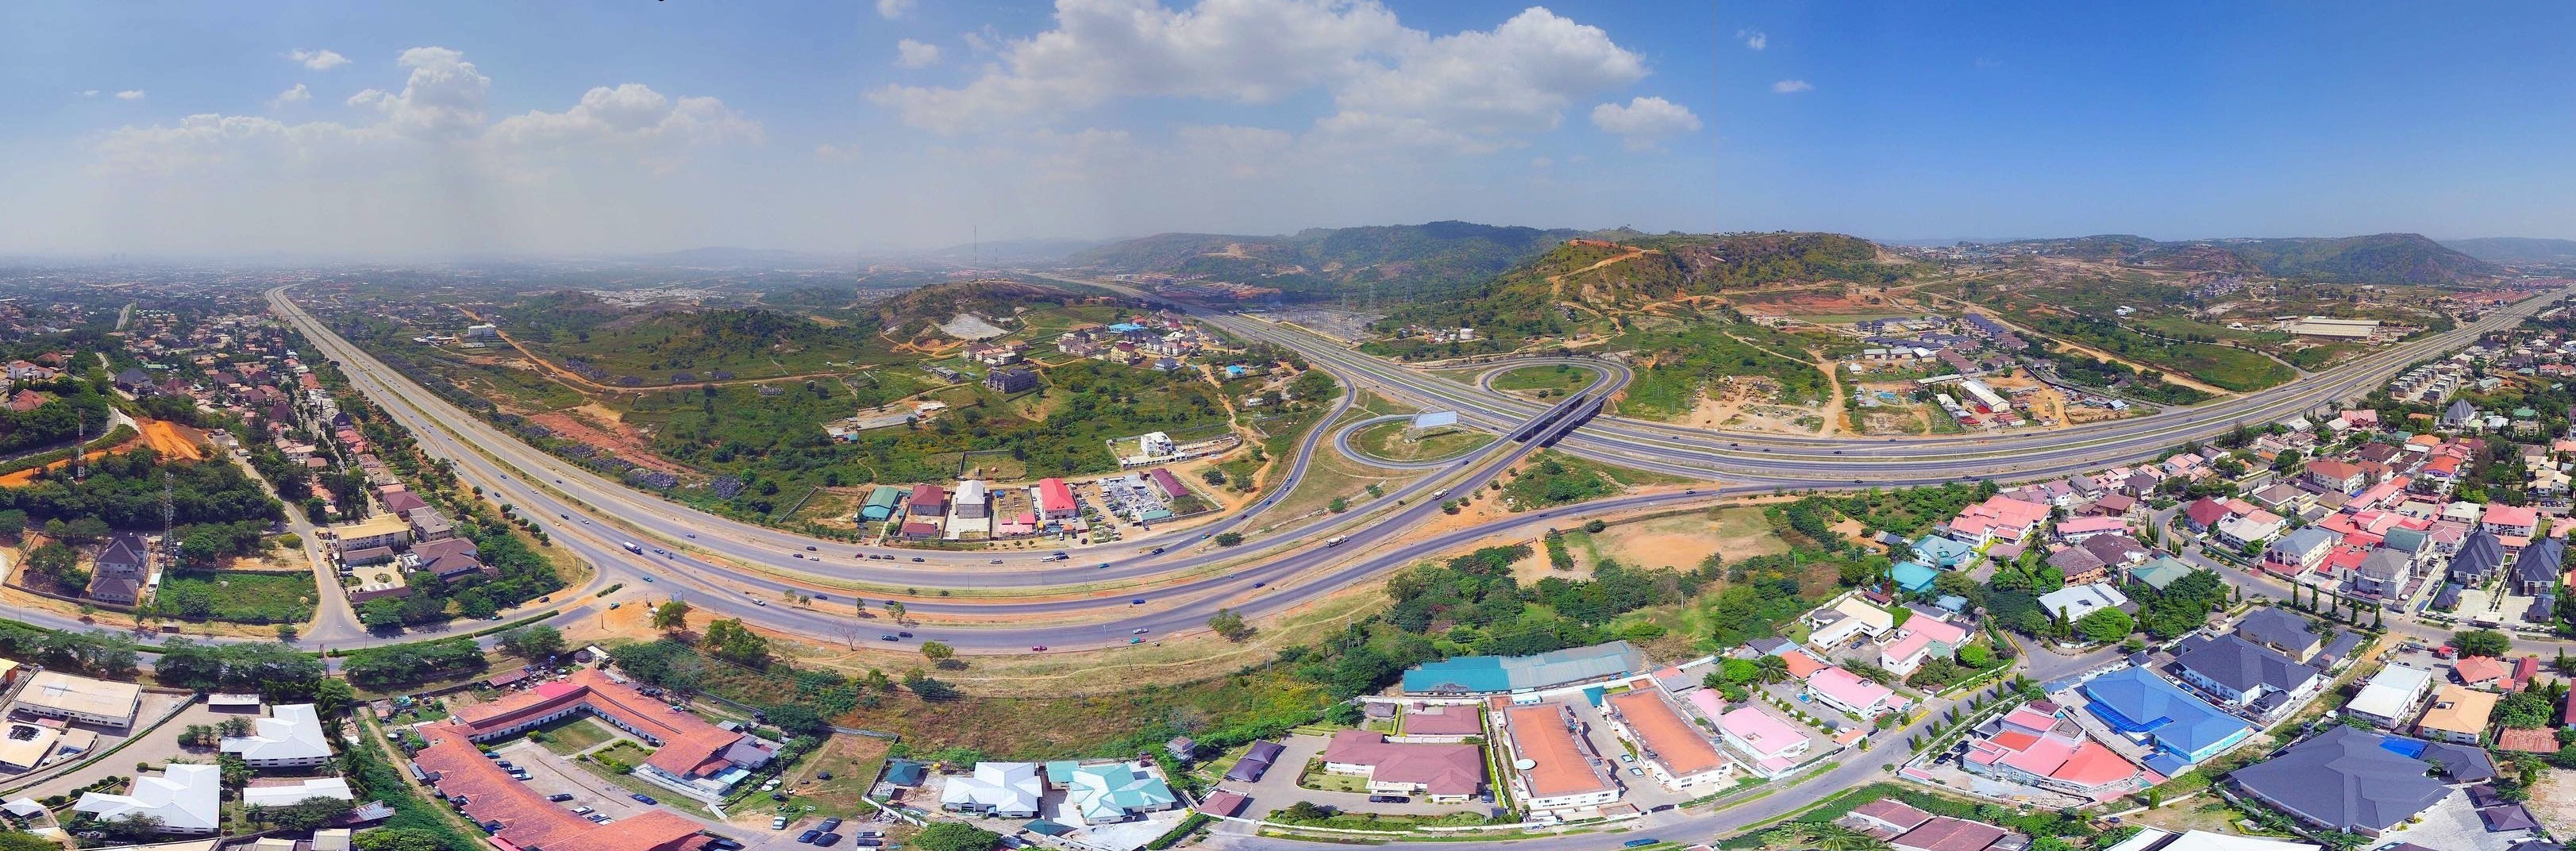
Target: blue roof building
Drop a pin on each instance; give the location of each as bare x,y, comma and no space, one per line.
2183,729
1914,576
1124,327
1500,674
1943,553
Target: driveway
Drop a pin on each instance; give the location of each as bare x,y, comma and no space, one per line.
1278,788
1639,788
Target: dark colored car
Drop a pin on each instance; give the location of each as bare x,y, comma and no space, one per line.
644,798
808,836
829,825
559,797
827,840
1390,799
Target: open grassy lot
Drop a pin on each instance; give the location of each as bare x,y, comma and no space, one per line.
1552,478
1558,378
1387,440
258,597
853,762
576,734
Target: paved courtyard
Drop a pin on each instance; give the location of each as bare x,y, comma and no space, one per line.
2452,825
160,746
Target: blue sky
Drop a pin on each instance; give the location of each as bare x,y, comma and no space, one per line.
431,129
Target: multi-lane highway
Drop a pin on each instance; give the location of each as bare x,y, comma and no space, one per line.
731,567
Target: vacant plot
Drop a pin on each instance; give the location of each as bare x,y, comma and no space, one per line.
1558,378
852,762
1389,441
238,596
1681,542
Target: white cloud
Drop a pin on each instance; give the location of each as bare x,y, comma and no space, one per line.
892,9
630,113
319,60
299,94
130,94
89,93
1390,85
443,97
1645,122
1541,162
1753,39
915,54
1791,87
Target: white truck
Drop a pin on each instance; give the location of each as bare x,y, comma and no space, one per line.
635,548
1336,540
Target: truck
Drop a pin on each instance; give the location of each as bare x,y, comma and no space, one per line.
1336,540
1059,555
1439,493
635,548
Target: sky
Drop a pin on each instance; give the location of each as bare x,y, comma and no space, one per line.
290,129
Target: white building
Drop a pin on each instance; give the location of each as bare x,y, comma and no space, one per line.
55,694
186,798
289,794
1156,444
2391,696
1008,789
291,736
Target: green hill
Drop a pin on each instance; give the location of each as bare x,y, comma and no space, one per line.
910,313
2387,258
1378,263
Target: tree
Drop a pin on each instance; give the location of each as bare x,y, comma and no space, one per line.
307,814
59,564
1228,539
1739,670
399,839
13,522
926,688
1771,668
671,616
1230,625
2481,642
895,609
953,836
534,643
2106,626
937,652
728,639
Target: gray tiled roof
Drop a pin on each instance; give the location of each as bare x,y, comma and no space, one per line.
2242,665
2344,780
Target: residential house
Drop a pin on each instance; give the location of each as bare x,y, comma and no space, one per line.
2509,520
2383,574
2536,568
1923,637
2248,529
2299,552
1447,773
2344,779
1998,519
292,736
1109,793
996,789
2246,674
2078,530
1847,692
690,755
1767,744
2459,714
2479,557
2281,630
1848,619
186,798
122,570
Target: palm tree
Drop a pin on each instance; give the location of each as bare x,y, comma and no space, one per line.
1838,838
1771,669
1796,834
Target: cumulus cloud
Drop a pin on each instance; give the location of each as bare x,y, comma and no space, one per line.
299,94
1791,87
1753,39
89,93
892,9
626,114
319,60
130,94
835,152
443,97
1390,84
1644,122
915,54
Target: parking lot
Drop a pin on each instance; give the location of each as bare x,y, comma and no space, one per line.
1278,789
1642,790
765,839
551,774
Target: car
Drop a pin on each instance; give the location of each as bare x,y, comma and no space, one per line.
1158,551
504,764
760,602
614,606
1390,799
581,811
1660,808
1138,631
827,840
1104,565
693,536
886,637
1636,771
1627,757
597,818
822,596
723,844
809,548
564,516
798,555
1640,843
904,634
1260,584
1038,649
546,599
559,797
918,558
829,824
1136,602
1136,640
643,798
649,578
778,823
808,836
997,561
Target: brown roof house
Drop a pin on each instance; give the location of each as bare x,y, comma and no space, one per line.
123,567
1448,773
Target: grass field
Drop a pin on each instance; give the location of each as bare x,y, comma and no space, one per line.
1559,378
1387,440
257,597
854,762
576,734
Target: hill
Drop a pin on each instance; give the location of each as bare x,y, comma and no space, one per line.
1377,263
726,257
2387,258
2515,249
914,312
1584,282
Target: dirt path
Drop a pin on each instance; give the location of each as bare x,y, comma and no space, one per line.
1556,282
1834,410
